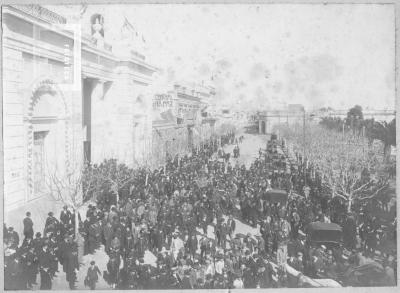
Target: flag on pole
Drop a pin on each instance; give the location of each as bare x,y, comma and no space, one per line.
129,26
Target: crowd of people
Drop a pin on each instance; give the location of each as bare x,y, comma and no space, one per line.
41,254
366,235
186,215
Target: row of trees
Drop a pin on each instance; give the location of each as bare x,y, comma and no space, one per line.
356,124
348,165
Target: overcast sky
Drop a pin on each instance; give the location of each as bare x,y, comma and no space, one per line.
316,55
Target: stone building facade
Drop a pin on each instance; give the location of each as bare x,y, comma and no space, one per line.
180,121
68,96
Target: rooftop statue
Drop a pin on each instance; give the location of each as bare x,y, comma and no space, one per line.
98,32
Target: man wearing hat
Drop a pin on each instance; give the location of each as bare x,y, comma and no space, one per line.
13,238
30,267
51,224
297,262
89,212
65,216
176,244
113,213
141,244
192,244
28,226
71,262
37,243
45,268
248,277
107,234
13,277
92,275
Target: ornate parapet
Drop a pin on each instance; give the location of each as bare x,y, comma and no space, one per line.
41,13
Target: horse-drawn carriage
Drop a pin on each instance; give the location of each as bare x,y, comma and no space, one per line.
276,195
328,234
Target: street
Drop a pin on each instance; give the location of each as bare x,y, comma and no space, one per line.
248,152
260,155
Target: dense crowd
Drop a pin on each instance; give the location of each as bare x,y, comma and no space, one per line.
369,229
186,215
41,253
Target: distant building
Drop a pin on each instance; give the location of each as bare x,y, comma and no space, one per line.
181,120
377,114
293,114
295,108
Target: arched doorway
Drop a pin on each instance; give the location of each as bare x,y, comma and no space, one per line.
47,137
263,127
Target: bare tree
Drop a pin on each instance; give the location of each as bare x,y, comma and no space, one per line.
71,186
341,160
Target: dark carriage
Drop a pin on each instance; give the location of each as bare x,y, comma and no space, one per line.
276,195
328,234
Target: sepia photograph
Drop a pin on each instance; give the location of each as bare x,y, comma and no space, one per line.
198,146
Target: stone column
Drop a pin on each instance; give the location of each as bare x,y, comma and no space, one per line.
99,120
259,126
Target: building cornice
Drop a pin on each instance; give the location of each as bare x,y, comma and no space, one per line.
188,97
21,12
41,13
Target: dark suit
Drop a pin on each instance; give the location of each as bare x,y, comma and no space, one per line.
14,239
28,227
45,267
65,217
92,276
71,263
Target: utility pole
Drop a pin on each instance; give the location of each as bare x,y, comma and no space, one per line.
343,129
304,146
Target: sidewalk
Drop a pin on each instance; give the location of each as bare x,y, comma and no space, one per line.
39,209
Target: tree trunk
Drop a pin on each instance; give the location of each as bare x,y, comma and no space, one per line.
349,205
78,238
81,246
76,223
386,152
